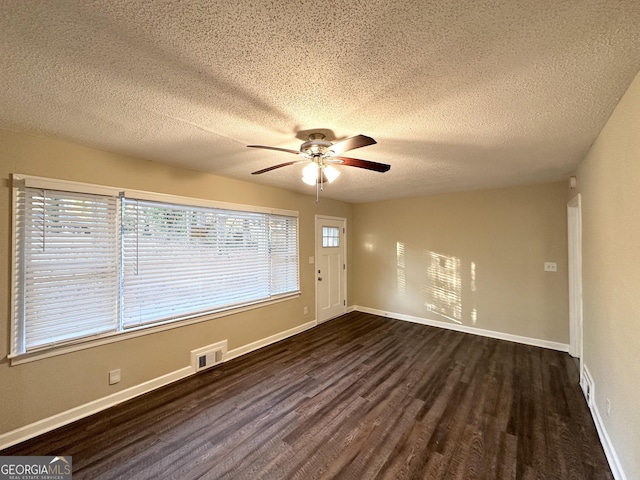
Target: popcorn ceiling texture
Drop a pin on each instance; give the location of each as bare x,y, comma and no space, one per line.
459,95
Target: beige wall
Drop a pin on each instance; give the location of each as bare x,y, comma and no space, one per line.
506,234
39,389
609,182
494,243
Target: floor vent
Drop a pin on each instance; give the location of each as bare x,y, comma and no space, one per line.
587,387
208,356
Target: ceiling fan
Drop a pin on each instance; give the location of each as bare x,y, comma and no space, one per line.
320,155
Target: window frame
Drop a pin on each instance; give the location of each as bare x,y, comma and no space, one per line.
28,181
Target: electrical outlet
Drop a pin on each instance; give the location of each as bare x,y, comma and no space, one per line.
306,310
114,376
550,267
608,407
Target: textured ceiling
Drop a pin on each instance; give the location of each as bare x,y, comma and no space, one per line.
459,94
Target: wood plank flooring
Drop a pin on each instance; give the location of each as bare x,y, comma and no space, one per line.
359,397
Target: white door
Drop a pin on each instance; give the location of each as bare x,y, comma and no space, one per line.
574,217
331,267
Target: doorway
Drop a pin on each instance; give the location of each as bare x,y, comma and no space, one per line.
331,267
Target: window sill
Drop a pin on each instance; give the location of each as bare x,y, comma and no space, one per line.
104,339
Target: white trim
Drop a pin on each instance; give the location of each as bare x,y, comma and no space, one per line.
250,347
77,413
68,185
14,269
81,344
536,342
65,185
574,231
607,445
63,418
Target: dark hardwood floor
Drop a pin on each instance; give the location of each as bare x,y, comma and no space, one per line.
359,397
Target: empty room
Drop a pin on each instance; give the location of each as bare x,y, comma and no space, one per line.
297,240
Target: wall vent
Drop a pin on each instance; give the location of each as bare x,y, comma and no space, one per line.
208,356
586,382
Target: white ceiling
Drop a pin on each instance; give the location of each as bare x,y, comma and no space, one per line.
459,94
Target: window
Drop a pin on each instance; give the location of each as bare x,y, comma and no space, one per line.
94,264
66,266
330,237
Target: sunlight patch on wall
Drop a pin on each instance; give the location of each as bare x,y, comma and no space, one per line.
473,276
401,270
474,310
444,286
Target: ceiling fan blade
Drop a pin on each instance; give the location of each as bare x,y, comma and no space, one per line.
366,164
268,169
351,143
278,149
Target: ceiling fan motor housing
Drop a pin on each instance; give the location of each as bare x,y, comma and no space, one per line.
316,146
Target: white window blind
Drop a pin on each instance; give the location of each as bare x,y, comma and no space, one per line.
284,254
66,283
100,263
181,261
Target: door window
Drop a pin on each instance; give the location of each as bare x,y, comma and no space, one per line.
330,237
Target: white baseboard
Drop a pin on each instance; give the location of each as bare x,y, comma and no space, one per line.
51,423
250,347
47,424
610,453
607,446
536,342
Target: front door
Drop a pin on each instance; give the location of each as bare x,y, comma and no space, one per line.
331,268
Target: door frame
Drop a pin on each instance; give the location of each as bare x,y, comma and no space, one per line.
318,246
574,230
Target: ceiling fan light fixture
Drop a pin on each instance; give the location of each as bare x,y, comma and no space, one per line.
331,172
309,180
310,173
319,154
